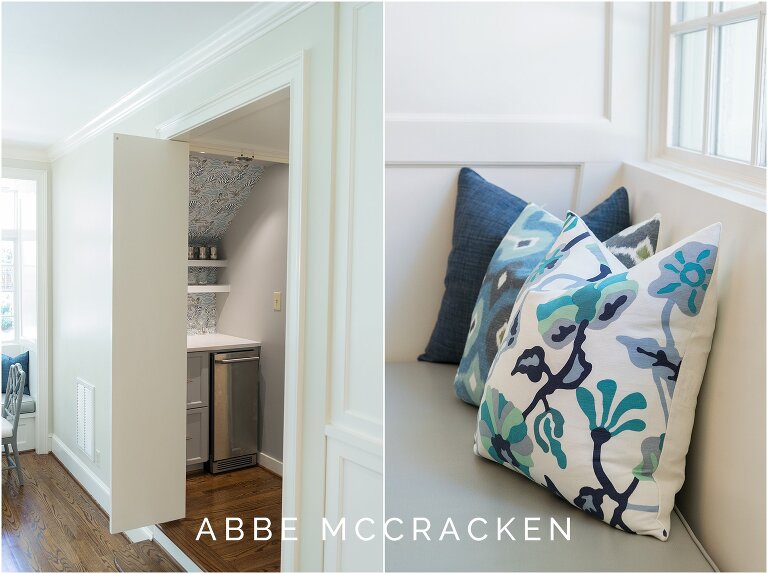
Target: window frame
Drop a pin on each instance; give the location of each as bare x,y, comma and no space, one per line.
13,236
748,177
18,236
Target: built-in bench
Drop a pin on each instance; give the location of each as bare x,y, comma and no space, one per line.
433,474
724,497
27,404
28,419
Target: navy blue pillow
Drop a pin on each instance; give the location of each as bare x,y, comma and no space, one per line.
22,358
484,213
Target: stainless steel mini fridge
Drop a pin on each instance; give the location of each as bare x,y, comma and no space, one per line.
234,410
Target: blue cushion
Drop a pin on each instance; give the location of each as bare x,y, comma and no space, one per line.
484,214
22,358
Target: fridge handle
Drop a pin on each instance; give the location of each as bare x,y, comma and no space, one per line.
241,360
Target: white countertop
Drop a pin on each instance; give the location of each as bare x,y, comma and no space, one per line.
217,342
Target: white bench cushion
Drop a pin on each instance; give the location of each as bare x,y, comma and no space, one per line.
432,472
7,427
27,404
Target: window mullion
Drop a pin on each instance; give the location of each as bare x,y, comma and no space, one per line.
757,128
676,78
709,83
17,271
667,115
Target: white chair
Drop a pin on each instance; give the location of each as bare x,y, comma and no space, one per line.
14,394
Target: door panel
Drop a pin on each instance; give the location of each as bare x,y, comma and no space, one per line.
149,276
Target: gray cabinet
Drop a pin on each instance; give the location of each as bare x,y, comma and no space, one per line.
198,381
198,365
197,435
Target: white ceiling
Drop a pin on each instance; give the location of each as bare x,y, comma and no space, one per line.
65,63
261,128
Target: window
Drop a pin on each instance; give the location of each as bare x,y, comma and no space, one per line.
714,72
18,260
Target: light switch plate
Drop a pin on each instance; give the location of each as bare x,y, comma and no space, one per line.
277,299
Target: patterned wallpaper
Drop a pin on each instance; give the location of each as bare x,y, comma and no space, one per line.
217,190
201,313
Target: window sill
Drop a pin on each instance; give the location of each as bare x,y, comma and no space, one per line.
746,194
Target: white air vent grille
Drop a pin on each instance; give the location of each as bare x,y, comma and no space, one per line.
233,463
85,422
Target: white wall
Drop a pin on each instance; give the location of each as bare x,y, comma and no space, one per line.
471,59
256,246
543,99
82,295
723,497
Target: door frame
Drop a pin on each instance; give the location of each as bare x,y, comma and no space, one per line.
290,73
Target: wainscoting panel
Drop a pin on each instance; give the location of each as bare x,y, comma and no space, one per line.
357,376
420,202
354,449
552,132
354,491
492,59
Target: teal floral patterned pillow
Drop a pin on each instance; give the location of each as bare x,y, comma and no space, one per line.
523,247
593,391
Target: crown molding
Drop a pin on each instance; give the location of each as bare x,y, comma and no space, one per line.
12,150
251,25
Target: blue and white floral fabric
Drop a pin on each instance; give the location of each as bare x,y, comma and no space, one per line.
520,252
593,391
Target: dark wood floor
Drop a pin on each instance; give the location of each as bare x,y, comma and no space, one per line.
243,494
51,524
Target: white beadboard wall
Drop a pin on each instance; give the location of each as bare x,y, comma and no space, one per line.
544,99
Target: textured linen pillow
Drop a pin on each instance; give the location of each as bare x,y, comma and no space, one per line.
483,215
594,391
22,358
522,248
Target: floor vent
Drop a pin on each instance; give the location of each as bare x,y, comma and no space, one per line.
85,414
233,463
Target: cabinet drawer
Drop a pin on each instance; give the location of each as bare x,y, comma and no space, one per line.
197,435
197,379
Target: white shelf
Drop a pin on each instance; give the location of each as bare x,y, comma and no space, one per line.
207,288
206,262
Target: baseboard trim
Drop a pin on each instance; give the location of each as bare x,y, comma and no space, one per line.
271,464
84,475
176,553
139,534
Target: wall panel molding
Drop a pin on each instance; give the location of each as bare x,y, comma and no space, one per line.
576,167
526,142
492,60
355,358
354,489
615,135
